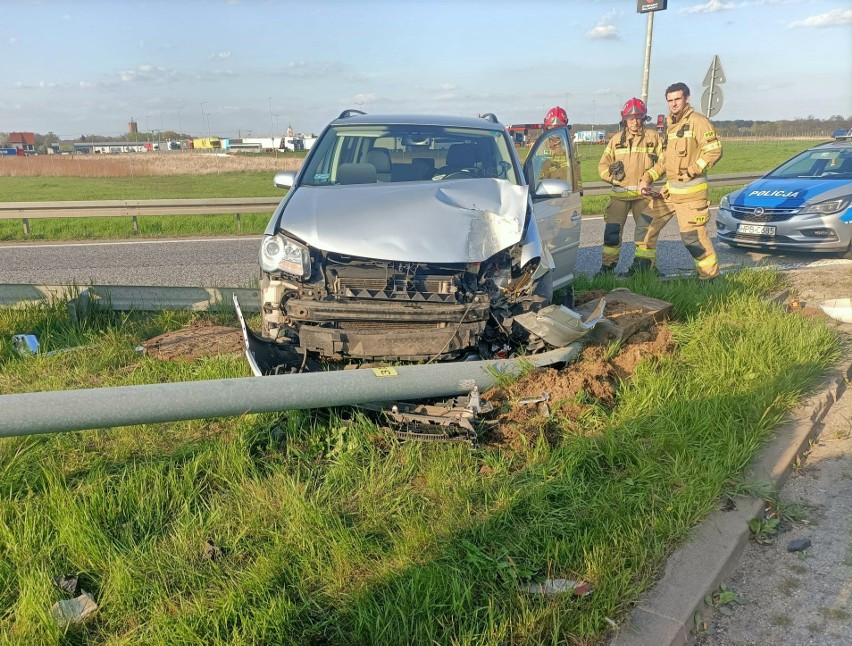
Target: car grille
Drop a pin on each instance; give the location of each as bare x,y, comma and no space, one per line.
439,290
760,214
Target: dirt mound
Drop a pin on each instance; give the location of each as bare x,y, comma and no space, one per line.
552,401
198,339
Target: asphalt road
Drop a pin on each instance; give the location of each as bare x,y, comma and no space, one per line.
233,262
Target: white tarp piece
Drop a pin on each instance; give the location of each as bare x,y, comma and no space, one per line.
839,309
73,611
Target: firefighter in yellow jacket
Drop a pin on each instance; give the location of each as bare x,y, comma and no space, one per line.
626,158
690,149
556,166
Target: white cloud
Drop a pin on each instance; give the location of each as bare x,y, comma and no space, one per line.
604,32
41,85
711,6
220,56
834,18
142,75
12,41
319,69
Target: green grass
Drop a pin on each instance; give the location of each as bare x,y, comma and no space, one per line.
335,534
737,156
55,189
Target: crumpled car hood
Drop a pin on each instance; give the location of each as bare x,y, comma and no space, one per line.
453,221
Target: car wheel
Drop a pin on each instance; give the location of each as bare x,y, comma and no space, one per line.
848,253
565,296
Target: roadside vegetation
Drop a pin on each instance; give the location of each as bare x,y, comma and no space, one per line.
186,176
337,533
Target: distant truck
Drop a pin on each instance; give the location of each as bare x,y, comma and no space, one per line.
590,137
12,152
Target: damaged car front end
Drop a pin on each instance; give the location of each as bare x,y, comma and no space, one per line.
365,261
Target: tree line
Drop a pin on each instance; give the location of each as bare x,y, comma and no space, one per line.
809,125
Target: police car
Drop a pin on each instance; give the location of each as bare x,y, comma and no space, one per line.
803,205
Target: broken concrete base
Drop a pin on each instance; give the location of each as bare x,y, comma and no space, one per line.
626,314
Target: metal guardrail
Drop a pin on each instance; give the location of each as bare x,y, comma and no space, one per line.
131,297
27,211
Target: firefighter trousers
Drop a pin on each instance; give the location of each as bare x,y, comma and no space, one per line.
692,218
649,223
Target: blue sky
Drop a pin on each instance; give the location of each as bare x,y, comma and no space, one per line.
254,66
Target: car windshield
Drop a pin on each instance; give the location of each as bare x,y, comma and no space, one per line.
366,154
822,163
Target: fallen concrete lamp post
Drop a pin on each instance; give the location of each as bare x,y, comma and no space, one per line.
75,410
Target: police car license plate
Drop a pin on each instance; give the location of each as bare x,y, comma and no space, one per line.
756,229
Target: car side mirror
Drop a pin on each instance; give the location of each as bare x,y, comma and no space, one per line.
284,179
553,188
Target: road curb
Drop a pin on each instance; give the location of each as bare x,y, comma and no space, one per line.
664,616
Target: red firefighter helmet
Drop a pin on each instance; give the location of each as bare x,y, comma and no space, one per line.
556,117
634,108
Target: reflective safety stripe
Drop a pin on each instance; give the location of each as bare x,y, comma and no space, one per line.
645,253
621,152
712,146
611,250
701,163
675,190
709,261
688,134
625,195
653,174
692,186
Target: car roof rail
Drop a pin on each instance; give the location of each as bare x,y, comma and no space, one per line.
490,116
348,113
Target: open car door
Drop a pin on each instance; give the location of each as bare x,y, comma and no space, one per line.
549,170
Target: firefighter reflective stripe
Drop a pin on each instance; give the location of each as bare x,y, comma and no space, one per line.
701,163
686,188
611,251
642,252
706,148
654,175
709,261
621,152
625,192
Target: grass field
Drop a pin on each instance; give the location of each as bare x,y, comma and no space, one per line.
250,176
337,534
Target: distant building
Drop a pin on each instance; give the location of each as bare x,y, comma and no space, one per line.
22,141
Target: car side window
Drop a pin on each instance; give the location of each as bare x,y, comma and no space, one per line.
549,159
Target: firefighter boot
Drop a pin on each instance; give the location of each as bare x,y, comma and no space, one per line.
640,265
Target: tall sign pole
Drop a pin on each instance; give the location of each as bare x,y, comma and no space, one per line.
646,71
649,7
711,100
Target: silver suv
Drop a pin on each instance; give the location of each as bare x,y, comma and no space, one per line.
416,238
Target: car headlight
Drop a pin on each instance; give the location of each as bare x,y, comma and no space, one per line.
826,208
725,203
278,253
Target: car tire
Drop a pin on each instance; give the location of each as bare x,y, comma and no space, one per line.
565,296
848,253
